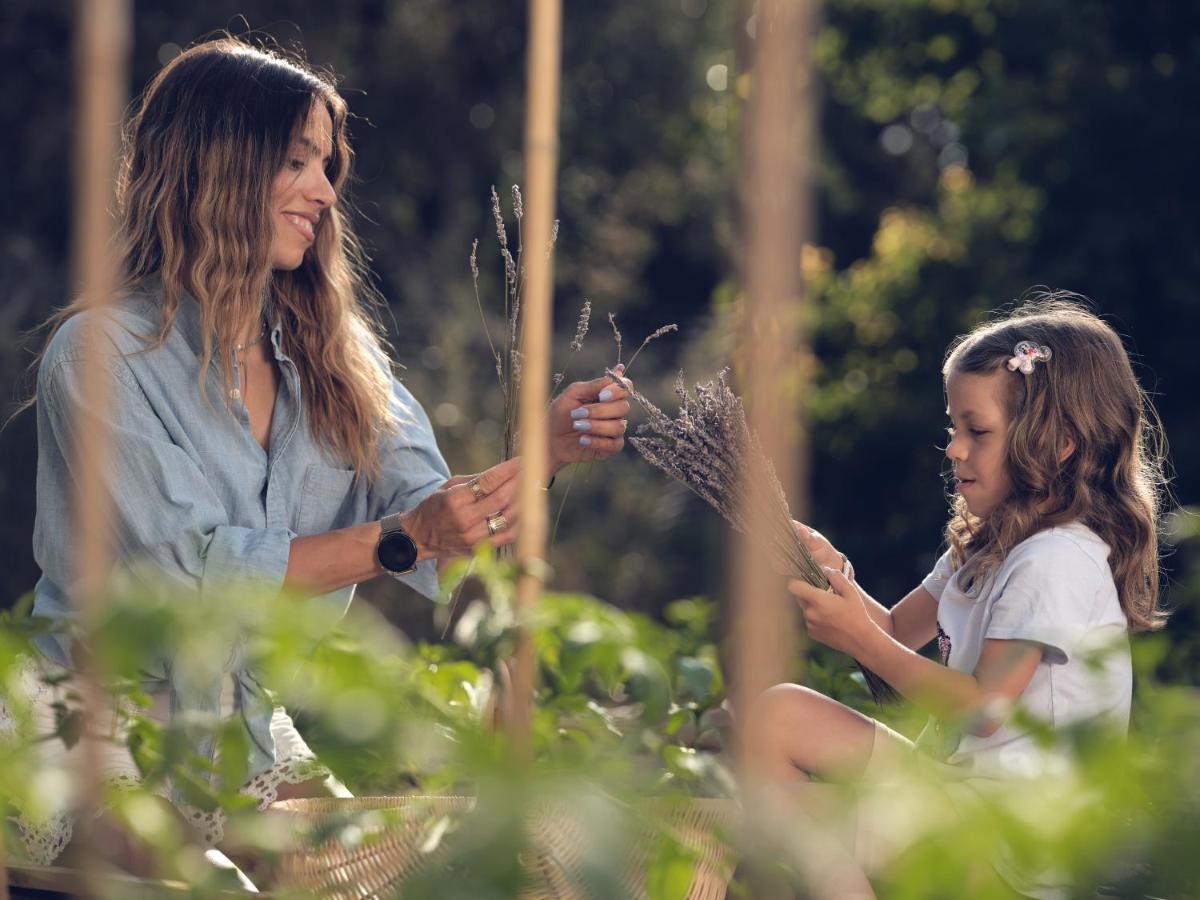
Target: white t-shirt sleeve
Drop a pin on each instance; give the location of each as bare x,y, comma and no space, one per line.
1048,594
935,582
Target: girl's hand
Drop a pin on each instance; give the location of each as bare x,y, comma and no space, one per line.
822,550
587,421
837,618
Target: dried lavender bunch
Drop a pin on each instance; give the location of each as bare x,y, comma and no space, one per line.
709,447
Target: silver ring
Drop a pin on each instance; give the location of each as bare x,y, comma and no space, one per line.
847,569
496,523
476,491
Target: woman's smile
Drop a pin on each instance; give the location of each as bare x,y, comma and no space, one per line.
304,223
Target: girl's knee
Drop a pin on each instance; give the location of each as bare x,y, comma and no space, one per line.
783,701
777,710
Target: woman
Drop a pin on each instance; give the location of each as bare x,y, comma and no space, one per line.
259,437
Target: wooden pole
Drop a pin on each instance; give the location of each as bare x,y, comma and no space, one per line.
543,60
102,72
777,210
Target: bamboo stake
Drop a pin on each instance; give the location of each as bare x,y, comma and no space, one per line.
777,209
541,163
102,73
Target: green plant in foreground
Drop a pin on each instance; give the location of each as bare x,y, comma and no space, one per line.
625,710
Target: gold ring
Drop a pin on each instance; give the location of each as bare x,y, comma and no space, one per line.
476,491
496,523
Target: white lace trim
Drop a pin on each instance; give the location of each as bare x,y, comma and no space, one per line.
264,787
46,837
45,841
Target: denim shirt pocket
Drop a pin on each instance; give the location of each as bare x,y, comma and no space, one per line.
323,494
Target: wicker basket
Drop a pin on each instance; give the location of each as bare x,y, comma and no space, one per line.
394,846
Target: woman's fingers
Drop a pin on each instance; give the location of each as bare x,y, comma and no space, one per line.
599,390
602,427
506,521
614,409
588,447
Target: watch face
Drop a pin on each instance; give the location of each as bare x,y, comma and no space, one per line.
397,552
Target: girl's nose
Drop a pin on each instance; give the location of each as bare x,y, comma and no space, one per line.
954,449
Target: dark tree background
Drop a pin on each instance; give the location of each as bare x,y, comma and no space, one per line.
971,149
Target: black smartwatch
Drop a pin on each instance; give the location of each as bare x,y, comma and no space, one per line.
396,551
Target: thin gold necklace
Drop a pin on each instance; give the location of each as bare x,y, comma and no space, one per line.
238,348
236,393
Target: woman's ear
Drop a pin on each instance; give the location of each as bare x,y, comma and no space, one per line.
1068,451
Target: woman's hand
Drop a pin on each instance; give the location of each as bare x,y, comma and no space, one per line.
587,421
822,550
454,518
838,617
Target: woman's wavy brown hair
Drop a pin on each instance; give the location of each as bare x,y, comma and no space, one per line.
1085,396
211,132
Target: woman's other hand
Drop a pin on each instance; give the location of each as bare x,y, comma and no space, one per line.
454,518
588,421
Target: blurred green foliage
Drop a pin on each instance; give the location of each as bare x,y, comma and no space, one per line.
618,702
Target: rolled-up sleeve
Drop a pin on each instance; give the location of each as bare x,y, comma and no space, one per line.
411,469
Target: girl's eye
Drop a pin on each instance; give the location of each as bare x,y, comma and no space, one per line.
978,432
296,165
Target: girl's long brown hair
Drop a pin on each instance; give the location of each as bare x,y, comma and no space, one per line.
1086,396
202,150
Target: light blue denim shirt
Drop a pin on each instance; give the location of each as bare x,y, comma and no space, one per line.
196,496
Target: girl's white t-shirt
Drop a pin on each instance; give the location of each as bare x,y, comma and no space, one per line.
1055,589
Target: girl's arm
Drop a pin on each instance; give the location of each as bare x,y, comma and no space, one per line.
981,699
912,622
841,619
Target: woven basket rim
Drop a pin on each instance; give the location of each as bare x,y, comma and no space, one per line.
386,801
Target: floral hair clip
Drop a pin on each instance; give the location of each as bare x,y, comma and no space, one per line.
1025,354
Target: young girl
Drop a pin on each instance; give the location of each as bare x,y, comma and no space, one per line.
1052,554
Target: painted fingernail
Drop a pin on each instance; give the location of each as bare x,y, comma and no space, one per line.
582,426
581,413
605,395
619,367
585,441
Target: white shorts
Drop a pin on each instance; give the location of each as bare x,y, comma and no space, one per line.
904,793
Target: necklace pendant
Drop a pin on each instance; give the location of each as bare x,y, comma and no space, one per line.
235,394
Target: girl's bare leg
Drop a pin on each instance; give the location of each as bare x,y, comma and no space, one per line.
791,734
794,733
